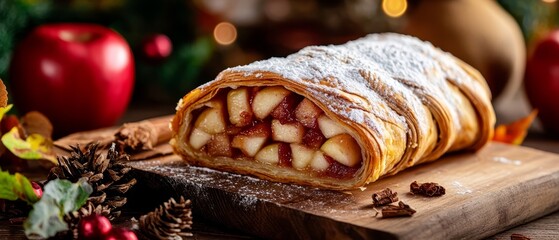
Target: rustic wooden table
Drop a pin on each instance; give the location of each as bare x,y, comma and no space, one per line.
546,227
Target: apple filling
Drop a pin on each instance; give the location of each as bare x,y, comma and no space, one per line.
273,125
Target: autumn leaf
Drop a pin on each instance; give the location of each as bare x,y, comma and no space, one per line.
16,186
4,110
35,122
3,95
515,132
34,147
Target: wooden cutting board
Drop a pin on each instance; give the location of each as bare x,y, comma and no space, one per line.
487,192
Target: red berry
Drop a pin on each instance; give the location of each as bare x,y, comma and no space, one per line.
120,234
8,122
93,227
157,47
37,189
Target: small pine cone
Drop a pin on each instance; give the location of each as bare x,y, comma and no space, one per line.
171,220
106,174
89,208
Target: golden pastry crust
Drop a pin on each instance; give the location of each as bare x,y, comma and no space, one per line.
403,101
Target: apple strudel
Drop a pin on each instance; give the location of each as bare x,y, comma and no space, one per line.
336,117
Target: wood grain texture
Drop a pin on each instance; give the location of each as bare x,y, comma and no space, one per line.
544,228
11,231
490,191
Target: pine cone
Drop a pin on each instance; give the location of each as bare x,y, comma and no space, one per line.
89,208
171,220
105,174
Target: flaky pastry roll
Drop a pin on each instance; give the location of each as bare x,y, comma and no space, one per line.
336,117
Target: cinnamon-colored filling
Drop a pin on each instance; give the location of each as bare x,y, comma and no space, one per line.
273,125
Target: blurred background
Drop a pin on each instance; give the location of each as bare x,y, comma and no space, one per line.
178,44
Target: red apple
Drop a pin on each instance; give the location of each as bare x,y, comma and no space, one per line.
80,76
542,81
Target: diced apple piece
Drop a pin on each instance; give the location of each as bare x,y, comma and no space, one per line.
238,107
329,127
319,162
211,120
267,99
268,154
289,132
216,103
344,149
301,155
198,138
307,113
250,140
219,145
249,145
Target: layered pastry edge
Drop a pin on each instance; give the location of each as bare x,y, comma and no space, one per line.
188,120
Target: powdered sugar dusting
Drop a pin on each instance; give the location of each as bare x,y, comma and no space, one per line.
505,160
247,201
247,192
316,64
403,63
461,189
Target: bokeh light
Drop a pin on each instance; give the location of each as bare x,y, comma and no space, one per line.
225,33
394,8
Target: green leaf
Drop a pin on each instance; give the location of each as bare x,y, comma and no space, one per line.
59,198
16,186
33,147
71,196
44,220
4,110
